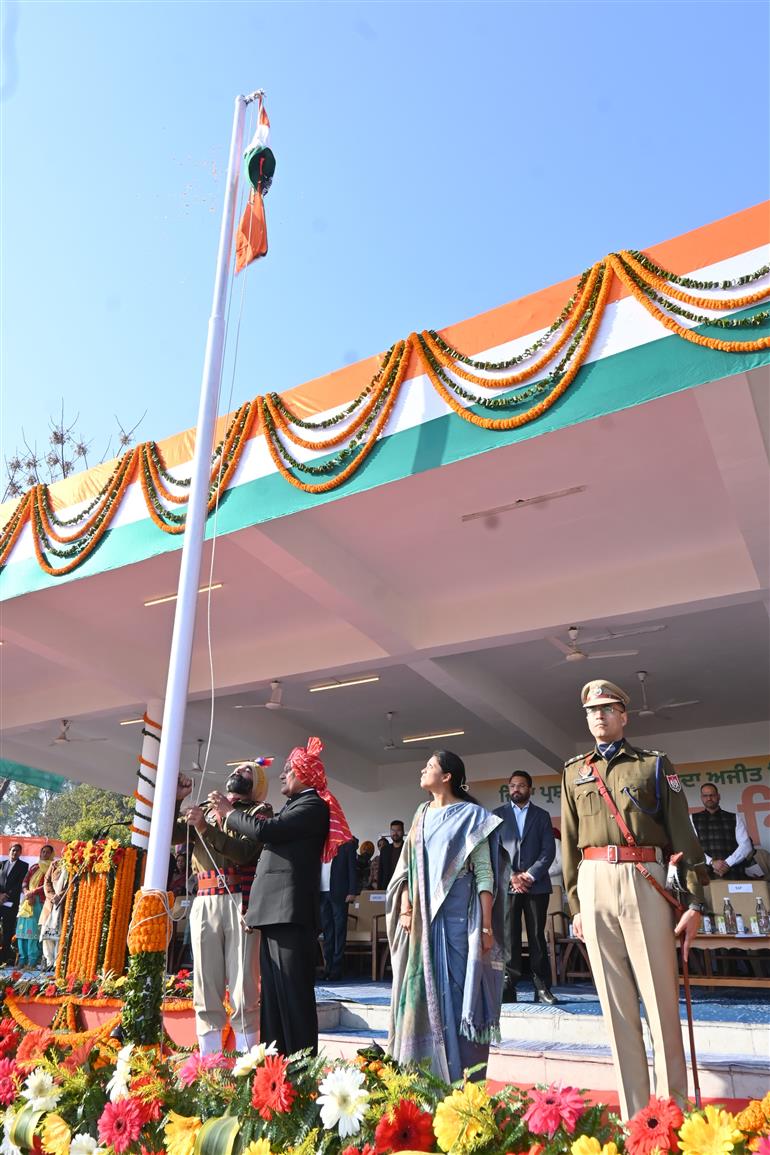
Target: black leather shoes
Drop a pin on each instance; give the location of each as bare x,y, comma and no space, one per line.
543,995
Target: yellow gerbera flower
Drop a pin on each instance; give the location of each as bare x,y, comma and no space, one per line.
588,1145
464,1119
712,1133
56,1135
180,1133
766,1106
258,1147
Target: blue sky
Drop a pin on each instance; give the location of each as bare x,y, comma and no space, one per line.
433,160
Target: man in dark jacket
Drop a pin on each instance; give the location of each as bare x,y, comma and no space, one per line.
527,836
285,895
12,873
390,854
339,886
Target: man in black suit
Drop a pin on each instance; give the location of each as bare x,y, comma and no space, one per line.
284,897
12,873
390,854
527,836
339,886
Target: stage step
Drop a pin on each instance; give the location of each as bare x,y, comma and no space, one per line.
588,1066
542,1044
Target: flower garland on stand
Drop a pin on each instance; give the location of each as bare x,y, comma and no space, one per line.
97,908
148,939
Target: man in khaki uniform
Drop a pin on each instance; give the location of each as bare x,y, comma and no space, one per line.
224,955
626,924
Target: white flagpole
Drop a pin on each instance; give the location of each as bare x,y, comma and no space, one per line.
156,871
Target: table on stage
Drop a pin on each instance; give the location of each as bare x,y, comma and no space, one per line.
715,945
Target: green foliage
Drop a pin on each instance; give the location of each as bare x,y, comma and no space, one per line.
142,1019
81,812
23,811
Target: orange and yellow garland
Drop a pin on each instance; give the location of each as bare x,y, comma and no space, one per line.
91,863
159,488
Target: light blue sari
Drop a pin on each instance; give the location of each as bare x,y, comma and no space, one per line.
446,991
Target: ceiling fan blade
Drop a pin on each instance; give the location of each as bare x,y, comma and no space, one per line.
609,635
251,706
560,645
602,654
676,705
86,739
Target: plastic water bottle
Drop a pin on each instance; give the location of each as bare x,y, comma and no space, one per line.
740,925
731,927
763,918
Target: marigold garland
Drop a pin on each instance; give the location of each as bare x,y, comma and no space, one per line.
650,284
99,900
660,283
669,322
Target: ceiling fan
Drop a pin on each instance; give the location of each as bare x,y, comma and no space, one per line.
648,711
274,702
573,651
63,737
390,743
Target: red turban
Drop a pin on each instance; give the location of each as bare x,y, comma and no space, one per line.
309,768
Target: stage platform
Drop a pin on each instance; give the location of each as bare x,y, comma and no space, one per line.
568,1042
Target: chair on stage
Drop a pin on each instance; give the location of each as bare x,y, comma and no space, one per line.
366,930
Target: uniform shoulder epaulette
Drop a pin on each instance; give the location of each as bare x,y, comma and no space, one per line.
577,758
655,753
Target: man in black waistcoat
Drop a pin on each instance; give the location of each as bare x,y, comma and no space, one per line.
723,835
284,901
12,873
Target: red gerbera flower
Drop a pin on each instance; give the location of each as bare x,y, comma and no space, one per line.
120,1124
271,1092
655,1126
7,1027
34,1045
9,1043
367,1149
405,1128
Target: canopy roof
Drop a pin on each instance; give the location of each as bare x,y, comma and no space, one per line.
638,499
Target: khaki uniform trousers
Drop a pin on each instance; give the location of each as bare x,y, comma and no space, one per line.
223,956
628,929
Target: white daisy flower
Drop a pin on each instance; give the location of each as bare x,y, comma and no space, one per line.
84,1145
40,1091
244,1064
6,1146
343,1100
118,1086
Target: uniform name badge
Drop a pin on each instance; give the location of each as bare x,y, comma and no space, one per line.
674,783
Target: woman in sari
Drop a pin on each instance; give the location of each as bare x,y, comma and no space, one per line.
445,928
27,923
54,892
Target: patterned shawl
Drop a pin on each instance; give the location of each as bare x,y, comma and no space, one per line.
416,1030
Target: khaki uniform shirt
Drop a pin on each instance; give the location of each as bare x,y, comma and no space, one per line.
217,846
648,793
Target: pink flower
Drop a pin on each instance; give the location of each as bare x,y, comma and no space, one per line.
120,1124
552,1107
9,1082
193,1067
764,1147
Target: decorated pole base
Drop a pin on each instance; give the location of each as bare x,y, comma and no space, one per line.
148,939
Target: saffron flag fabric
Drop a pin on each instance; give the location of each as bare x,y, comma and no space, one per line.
251,238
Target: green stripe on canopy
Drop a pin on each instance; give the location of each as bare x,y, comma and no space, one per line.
31,776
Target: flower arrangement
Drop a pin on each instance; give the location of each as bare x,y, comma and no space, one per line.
98,1100
103,878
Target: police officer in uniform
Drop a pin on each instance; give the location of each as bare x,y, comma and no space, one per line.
627,925
224,955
